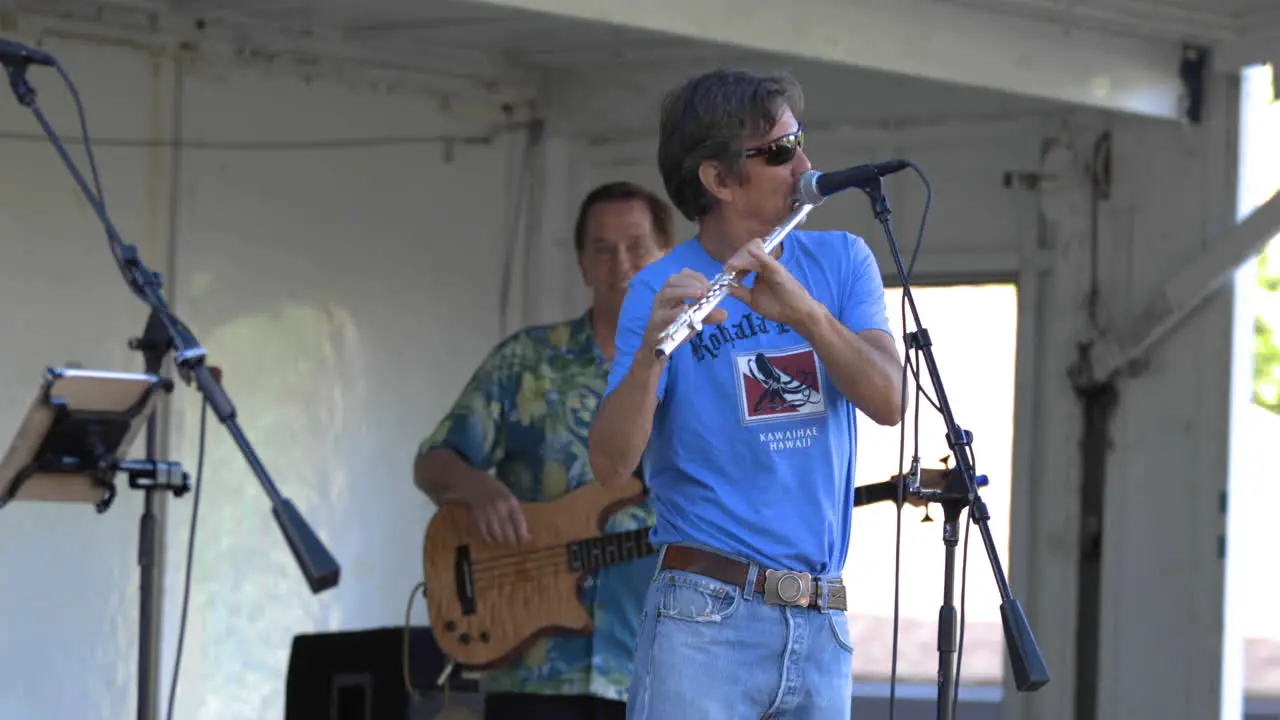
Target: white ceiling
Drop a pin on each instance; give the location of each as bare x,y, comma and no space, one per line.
1196,20
528,37
489,51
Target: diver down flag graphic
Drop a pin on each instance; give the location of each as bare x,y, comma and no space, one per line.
779,385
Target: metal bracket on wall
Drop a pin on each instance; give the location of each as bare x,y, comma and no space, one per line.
1192,70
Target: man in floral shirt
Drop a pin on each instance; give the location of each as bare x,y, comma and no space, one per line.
518,432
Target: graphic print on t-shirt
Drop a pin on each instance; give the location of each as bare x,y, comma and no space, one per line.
776,385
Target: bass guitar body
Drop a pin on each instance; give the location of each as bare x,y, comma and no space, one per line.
490,602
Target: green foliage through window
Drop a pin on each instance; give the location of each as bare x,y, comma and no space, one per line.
1266,334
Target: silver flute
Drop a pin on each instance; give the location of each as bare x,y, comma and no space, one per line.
690,321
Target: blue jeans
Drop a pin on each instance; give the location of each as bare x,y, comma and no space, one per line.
707,649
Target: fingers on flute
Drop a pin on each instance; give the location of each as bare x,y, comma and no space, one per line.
676,297
686,285
748,258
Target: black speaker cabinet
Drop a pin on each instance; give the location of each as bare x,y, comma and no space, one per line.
359,675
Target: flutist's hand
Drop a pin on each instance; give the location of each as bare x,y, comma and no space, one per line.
775,293
674,297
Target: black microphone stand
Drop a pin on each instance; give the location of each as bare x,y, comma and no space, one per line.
1029,671
165,333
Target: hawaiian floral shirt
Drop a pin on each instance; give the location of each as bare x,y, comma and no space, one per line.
525,415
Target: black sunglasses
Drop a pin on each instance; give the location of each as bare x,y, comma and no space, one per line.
780,151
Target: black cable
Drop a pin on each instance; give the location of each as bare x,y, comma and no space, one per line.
84,129
914,364
99,197
126,255
191,549
924,217
909,369
897,545
286,145
914,367
964,582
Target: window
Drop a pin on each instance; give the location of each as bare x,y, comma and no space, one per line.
974,332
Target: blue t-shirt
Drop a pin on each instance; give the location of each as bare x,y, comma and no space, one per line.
753,448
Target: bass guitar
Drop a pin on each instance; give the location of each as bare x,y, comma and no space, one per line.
489,602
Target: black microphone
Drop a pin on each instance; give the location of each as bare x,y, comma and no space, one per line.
16,54
814,185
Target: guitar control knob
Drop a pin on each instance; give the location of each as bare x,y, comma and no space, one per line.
451,626
484,636
465,638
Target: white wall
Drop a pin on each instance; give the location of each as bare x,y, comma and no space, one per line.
1161,599
1162,571
348,295
346,292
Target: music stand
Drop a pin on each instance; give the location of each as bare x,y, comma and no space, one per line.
69,446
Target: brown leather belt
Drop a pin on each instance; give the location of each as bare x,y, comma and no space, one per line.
778,587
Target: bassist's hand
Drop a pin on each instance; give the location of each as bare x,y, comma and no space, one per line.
496,513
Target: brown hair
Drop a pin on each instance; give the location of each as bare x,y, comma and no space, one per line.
659,210
707,118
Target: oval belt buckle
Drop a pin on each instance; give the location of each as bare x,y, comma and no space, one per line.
785,587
